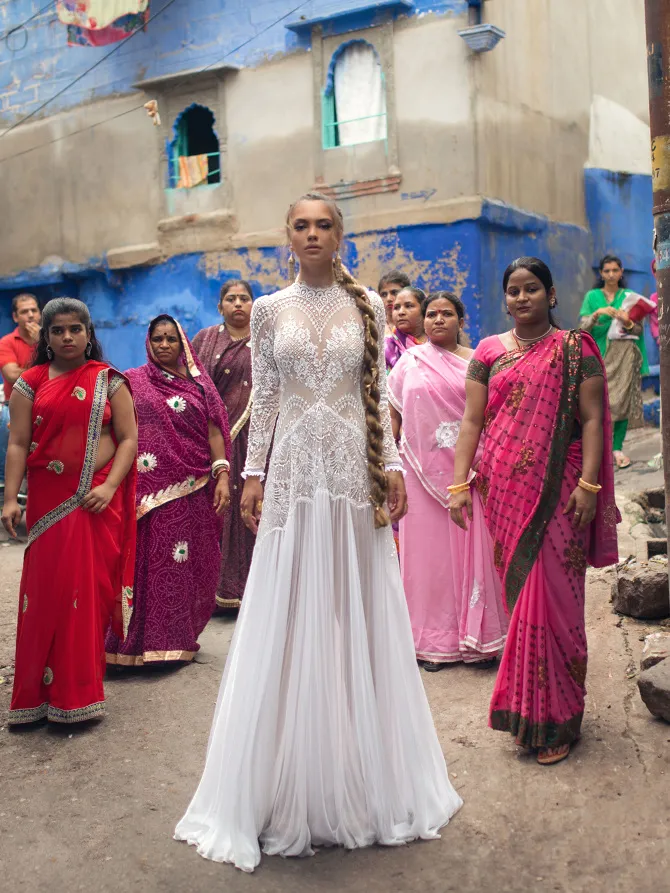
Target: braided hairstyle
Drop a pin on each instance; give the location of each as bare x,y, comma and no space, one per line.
370,383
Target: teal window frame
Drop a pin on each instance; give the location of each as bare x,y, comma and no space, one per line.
330,133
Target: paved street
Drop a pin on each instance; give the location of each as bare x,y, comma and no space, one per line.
95,808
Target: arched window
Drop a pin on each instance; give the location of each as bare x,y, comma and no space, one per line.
354,99
194,152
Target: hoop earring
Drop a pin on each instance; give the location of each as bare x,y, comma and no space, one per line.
291,266
89,349
50,353
338,271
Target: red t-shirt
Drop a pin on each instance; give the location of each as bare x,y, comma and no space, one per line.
13,349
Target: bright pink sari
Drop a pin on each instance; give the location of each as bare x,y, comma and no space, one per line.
531,462
452,588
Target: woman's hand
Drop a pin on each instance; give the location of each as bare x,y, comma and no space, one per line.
605,311
11,516
584,505
396,495
221,493
251,504
98,498
458,502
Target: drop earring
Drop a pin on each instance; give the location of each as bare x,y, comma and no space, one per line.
50,353
338,271
291,265
89,348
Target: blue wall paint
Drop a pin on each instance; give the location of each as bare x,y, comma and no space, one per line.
619,208
467,257
35,62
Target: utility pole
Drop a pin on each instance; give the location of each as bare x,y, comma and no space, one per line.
658,62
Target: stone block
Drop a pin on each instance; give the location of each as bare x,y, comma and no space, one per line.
655,649
654,685
641,590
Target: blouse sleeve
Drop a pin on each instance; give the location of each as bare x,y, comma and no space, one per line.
26,383
114,383
265,378
390,455
591,362
480,366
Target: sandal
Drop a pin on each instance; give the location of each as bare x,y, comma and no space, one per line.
621,460
548,756
433,666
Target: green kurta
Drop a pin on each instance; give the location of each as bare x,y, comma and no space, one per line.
594,300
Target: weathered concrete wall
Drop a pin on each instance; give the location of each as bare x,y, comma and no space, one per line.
104,189
534,95
466,256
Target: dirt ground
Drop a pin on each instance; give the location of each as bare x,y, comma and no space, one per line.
94,809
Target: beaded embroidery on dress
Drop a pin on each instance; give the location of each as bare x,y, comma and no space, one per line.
322,733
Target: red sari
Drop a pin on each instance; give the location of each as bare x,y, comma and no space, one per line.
531,463
78,566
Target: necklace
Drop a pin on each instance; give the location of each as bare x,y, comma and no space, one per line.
233,338
530,341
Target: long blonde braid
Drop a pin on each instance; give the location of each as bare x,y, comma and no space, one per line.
370,384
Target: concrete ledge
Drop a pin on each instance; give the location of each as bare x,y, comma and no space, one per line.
193,233
134,256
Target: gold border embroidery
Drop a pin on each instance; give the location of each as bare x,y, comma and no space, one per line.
243,419
228,602
176,491
115,383
80,714
138,660
88,469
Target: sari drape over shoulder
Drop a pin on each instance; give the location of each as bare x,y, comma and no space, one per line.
78,567
531,462
228,362
178,533
452,588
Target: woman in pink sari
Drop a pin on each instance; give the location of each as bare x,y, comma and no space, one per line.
539,395
452,588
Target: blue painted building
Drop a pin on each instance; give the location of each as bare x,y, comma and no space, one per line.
447,163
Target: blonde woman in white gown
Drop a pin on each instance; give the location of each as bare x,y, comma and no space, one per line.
322,733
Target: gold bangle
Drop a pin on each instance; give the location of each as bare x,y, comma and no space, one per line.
459,488
590,488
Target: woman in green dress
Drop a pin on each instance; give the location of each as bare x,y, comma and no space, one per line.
625,360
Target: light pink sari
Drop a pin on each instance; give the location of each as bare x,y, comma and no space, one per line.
531,462
452,588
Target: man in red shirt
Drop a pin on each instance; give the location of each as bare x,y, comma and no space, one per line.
16,349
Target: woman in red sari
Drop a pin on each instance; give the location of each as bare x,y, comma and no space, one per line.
539,394
73,427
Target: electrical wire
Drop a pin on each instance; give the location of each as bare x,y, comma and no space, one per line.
88,70
174,86
28,21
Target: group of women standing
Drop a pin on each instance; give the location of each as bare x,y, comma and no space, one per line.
322,733
154,478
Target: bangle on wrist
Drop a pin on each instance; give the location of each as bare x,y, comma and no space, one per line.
590,488
220,465
458,488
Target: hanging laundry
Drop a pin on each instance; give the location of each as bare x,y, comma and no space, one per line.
101,22
193,170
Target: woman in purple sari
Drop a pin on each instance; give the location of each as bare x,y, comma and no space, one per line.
225,354
182,492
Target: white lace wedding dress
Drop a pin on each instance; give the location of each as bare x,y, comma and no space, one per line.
322,733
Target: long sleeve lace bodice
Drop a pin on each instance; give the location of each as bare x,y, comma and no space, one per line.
307,356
